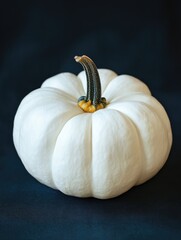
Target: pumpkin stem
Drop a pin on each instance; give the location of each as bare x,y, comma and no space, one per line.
93,100
89,77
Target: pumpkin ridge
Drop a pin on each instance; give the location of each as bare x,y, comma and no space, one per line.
69,181
123,173
65,82
59,133
62,92
91,159
152,105
163,156
51,158
140,139
124,85
163,125
35,102
169,134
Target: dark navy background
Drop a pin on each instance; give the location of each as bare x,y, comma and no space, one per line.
39,39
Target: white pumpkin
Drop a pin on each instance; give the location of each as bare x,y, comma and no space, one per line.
101,154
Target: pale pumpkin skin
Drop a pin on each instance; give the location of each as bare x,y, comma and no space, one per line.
101,154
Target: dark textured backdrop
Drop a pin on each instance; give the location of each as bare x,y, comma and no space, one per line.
39,39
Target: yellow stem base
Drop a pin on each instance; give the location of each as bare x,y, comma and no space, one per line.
89,107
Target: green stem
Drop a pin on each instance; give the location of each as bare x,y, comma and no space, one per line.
93,81
89,78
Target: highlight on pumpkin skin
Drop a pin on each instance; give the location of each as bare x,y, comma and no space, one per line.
93,100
